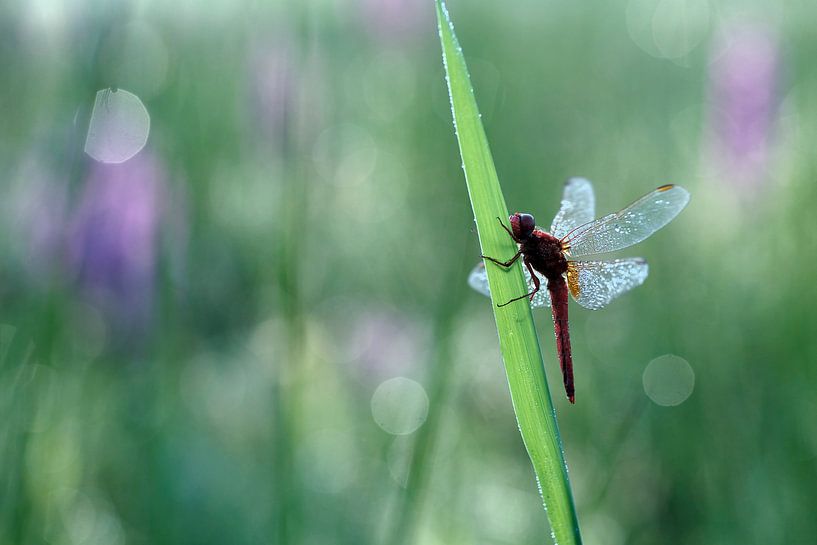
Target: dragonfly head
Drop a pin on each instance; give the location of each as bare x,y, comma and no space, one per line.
522,225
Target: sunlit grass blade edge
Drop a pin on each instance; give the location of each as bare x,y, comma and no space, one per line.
517,336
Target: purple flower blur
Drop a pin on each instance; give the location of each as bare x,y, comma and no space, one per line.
743,90
113,240
384,343
272,71
397,20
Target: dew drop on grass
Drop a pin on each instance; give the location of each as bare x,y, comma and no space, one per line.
668,380
400,406
119,126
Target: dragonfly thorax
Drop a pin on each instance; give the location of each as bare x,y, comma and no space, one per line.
545,254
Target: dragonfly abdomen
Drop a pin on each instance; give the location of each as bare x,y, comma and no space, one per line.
558,299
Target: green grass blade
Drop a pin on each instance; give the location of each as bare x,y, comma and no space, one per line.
517,336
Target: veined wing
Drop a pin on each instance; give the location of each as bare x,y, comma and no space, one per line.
578,207
630,225
478,279
594,284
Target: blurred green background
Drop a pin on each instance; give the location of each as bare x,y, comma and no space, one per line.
257,329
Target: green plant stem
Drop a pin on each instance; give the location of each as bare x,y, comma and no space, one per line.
517,337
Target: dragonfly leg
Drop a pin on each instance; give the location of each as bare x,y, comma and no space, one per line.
514,299
535,286
505,264
534,278
506,229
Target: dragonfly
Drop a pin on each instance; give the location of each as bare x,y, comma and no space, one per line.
549,258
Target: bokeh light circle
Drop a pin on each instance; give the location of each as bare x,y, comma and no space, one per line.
668,29
668,380
639,15
119,126
679,26
399,406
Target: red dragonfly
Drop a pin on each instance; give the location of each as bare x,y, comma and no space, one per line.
574,233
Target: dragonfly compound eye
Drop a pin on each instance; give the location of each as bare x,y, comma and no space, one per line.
526,223
522,224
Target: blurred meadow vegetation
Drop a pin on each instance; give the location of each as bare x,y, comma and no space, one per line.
257,328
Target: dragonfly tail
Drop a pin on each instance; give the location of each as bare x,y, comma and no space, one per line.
558,297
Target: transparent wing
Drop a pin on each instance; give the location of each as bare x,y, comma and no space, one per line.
594,284
478,279
578,207
631,225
